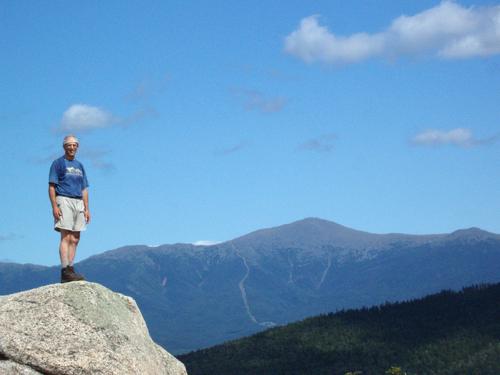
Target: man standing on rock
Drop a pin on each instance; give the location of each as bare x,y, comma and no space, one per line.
68,193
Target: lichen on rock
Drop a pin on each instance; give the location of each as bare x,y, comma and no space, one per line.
78,328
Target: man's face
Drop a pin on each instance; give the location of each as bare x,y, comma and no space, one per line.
70,148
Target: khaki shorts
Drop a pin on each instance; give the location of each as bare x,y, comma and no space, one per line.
73,214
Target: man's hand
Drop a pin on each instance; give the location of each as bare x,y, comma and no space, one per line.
87,216
57,213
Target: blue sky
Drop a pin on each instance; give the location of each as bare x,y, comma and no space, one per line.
203,121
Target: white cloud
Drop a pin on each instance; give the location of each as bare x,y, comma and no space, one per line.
205,243
312,42
81,117
458,137
447,30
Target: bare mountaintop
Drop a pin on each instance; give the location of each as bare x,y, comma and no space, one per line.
315,232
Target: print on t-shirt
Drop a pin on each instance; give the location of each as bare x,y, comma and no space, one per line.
74,171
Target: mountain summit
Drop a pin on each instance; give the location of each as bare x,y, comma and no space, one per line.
315,233
473,233
308,232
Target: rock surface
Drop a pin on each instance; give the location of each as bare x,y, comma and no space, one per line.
78,328
12,368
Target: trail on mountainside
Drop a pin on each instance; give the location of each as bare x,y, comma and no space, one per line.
290,272
325,272
243,291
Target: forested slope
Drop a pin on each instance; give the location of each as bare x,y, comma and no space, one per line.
445,333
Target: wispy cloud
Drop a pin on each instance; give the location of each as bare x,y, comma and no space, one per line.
253,100
9,116
9,237
231,149
98,158
46,159
140,91
323,143
148,88
458,137
138,116
266,73
447,30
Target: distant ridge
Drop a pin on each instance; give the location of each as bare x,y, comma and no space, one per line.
314,232
196,296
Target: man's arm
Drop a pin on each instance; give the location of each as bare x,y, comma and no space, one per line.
52,196
85,197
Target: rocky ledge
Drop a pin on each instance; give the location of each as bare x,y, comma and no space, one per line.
78,328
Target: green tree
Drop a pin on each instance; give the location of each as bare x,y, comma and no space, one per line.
395,371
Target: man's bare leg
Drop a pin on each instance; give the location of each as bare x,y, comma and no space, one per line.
64,246
67,251
75,238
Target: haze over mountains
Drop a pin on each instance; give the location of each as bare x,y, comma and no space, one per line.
197,296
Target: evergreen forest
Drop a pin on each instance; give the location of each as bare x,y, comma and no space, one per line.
445,333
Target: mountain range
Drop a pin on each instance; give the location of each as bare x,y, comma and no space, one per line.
198,296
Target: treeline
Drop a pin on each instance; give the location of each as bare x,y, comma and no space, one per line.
445,333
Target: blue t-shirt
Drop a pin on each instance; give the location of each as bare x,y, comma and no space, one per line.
69,177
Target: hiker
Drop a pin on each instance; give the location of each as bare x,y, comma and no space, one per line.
68,193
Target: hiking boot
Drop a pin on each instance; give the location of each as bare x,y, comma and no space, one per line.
76,276
68,274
